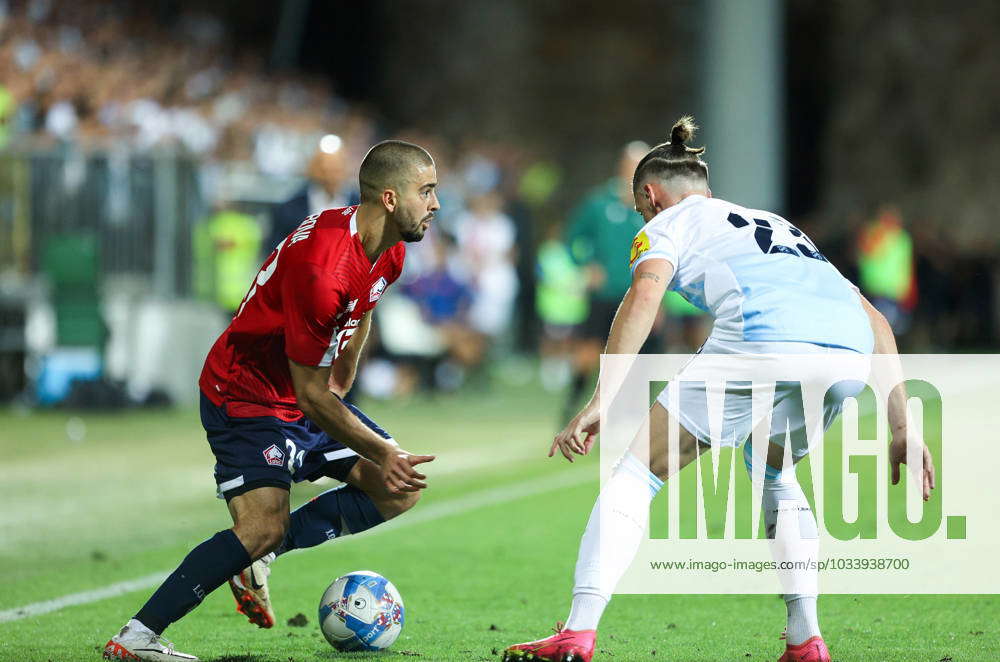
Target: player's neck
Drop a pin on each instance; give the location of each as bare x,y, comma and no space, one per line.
375,231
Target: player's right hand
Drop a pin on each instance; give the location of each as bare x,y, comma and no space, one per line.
399,474
579,434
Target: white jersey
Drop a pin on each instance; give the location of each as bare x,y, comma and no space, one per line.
760,277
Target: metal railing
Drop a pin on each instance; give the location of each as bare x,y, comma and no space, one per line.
139,207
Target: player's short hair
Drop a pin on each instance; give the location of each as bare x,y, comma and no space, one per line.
387,164
674,159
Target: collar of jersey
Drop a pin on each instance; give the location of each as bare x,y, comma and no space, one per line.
669,211
354,234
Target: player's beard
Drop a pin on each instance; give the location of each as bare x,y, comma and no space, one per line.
414,231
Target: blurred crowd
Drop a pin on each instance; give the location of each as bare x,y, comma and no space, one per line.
503,269
94,73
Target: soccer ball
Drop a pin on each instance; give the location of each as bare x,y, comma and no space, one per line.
361,611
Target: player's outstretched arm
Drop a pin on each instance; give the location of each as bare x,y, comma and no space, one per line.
345,368
326,410
885,344
629,331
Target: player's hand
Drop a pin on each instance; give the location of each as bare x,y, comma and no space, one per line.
579,434
399,474
897,456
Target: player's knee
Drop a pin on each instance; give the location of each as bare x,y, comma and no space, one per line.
262,535
274,534
397,504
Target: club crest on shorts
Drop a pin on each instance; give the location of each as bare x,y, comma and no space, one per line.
274,455
378,288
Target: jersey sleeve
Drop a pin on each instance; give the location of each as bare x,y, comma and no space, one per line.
311,301
650,243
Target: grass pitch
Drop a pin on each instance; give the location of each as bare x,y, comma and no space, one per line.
486,560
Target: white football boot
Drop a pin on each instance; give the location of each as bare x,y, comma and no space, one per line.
136,642
253,599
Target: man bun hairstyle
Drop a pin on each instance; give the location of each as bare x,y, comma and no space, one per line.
674,159
388,165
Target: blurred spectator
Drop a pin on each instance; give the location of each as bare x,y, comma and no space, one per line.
330,185
8,107
561,303
226,247
886,268
486,248
445,300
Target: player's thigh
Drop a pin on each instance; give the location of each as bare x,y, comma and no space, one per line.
367,477
260,507
791,421
653,443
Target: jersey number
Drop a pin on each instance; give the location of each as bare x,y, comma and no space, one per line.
764,234
264,276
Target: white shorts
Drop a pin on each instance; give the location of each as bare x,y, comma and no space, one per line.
729,387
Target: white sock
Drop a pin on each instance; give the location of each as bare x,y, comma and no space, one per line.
792,530
585,613
802,619
619,519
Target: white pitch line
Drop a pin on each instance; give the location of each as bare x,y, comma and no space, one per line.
420,515
82,598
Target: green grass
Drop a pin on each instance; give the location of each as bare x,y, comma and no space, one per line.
136,494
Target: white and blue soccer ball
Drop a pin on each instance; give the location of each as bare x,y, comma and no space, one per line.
361,611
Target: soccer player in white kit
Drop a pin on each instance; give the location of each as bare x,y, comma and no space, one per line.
771,292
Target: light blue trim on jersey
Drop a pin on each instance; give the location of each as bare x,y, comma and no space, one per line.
649,255
694,294
797,299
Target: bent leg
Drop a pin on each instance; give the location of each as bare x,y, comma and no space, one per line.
362,503
260,517
618,520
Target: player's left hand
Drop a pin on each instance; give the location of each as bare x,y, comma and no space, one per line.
579,434
399,474
897,456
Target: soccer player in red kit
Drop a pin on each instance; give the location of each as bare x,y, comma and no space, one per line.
272,407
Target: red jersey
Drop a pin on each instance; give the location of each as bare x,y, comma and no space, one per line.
304,305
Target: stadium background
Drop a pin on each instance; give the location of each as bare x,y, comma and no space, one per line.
145,149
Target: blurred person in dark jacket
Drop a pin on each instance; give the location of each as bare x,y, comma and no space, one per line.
600,231
329,186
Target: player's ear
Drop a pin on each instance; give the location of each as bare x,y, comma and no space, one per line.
650,193
389,199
